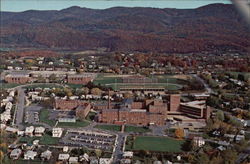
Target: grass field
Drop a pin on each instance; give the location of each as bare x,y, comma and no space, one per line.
44,140
73,124
136,129
162,144
245,74
164,81
48,85
7,160
8,85
168,86
44,115
109,127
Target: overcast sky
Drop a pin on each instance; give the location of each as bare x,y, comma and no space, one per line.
22,5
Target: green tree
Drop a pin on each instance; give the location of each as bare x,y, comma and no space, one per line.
229,156
220,115
202,158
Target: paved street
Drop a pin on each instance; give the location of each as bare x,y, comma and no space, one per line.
20,107
119,147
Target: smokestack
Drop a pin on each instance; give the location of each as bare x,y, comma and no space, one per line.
109,100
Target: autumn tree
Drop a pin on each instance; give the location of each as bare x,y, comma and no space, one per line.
85,90
179,133
98,152
96,91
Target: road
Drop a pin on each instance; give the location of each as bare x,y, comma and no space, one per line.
20,107
208,89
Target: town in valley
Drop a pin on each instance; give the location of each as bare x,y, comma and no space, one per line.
104,106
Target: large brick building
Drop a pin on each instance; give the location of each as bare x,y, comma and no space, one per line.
153,111
82,108
80,78
138,113
17,78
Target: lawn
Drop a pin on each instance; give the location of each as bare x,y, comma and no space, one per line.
163,144
8,85
167,82
44,140
136,129
91,116
75,86
168,86
109,127
44,117
73,124
48,85
107,80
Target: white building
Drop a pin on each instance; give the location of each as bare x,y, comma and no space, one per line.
57,132
198,141
39,131
29,131
105,161
63,157
46,155
16,153
73,160
127,154
30,155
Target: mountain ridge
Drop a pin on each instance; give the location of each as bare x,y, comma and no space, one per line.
128,29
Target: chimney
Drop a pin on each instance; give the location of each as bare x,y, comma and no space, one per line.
109,100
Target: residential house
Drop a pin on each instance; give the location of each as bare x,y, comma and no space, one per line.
30,155
105,161
39,131
57,132
198,141
16,153
73,160
46,155
29,131
63,157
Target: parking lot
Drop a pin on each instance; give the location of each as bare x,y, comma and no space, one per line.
93,140
32,114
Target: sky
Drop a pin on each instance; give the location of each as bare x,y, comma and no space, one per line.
22,5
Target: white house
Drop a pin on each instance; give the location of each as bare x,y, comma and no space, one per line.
16,153
198,141
39,131
127,154
29,131
46,155
73,160
57,132
105,161
30,155
63,157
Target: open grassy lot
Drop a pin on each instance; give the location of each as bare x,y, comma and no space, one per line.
168,86
109,127
44,140
44,117
75,86
7,160
163,144
107,80
164,81
73,124
136,129
48,85
245,74
91,116
8,85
